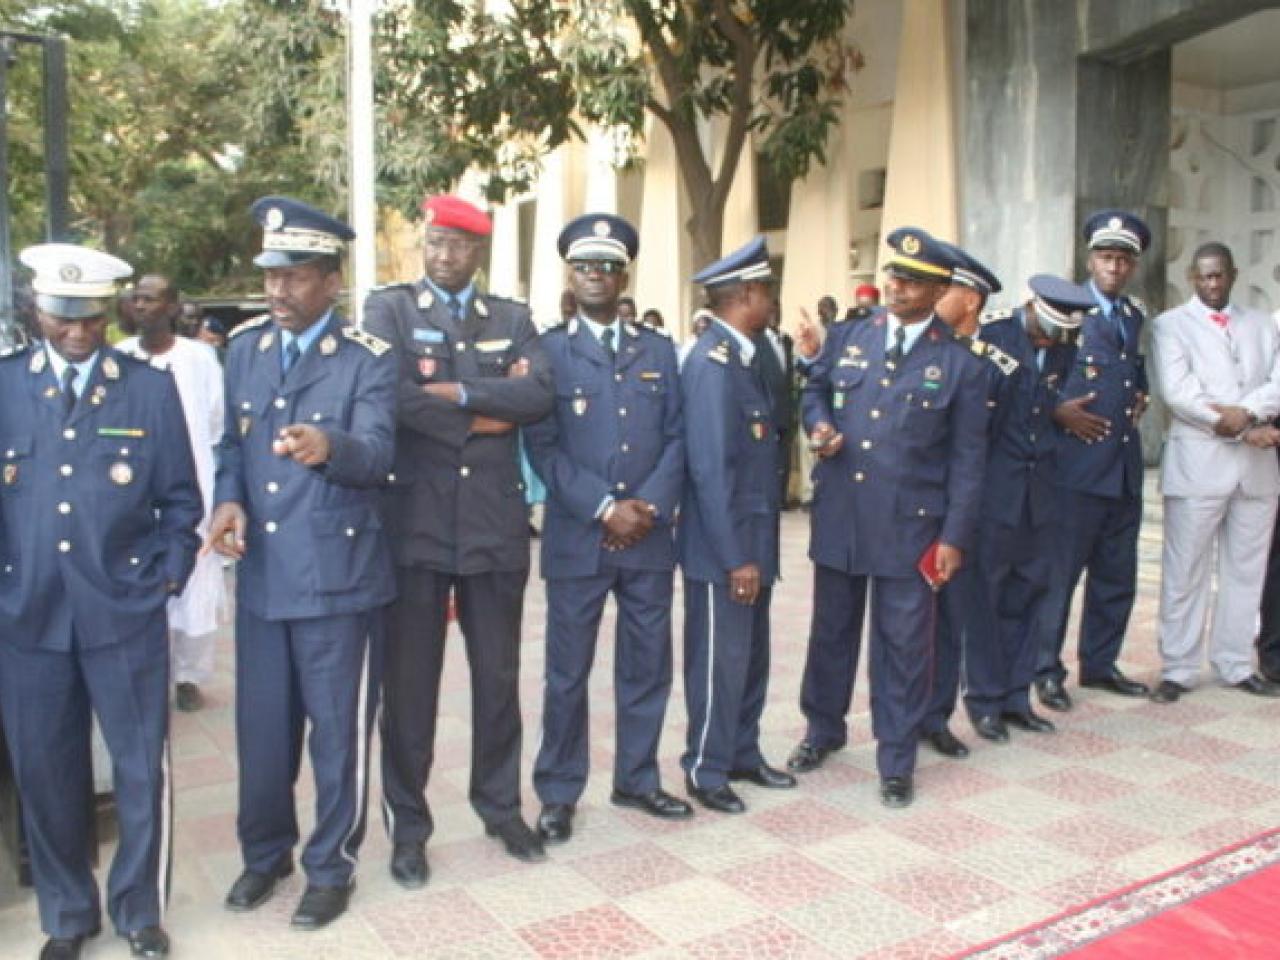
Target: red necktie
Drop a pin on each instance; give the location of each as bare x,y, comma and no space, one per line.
1221,319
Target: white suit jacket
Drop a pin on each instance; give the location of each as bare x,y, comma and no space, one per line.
1198,363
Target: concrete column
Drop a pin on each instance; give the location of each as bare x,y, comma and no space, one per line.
547,280
659,276
922,188
601,190
504,251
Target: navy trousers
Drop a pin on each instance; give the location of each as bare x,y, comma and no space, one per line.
1097,535
46,698
324,671
489,610
961,615
641,680
726,677
1014,565
831,664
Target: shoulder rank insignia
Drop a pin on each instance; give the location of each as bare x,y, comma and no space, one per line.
1003,361
631,329
991,316
719,353
329,345
251,324
482,308
110,369
1138,304
265,341
375,345
426,298
14,351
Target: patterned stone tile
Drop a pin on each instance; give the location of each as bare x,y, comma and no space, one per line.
465,861
1139,765
1224,790
727,842
1096,836
1250,730
1016,808
430,922
1083,887
1161,811
1072,744
1025,857
1225,833
1004,916
507,896
780,881
1198,748
1011,763
1259,765
603,931
945,829
937,944
689,909
804,820
868,855
630,869
1083,786
851,925
1156,858
941,892
956,781
765,939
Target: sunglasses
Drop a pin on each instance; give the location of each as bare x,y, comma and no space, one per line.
606,267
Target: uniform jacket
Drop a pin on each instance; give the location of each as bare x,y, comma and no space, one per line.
1021,441
456,501
911,467
1117,373
730,508
1198,363
100,511
616,430
315,545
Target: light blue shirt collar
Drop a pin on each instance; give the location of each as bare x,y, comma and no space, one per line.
1107,306
308,336
745,345
913,332
58,363
463,296
599,328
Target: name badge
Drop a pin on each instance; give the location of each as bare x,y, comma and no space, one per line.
428,336
492,346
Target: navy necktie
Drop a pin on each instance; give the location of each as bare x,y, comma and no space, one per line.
69,390
894,356
291,355
455,307
606,341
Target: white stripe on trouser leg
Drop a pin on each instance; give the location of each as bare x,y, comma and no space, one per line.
362,746
166,827
711,687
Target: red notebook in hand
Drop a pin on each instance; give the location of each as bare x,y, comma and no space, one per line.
928,566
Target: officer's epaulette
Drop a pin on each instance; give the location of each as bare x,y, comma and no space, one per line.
375,345
252,324
398,285
1137,302
980,348
17,350
991,316
720,352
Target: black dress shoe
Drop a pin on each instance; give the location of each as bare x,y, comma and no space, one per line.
807,757
897,792
991,728
946,743
1258,686
555,823
188,697
659,804
409,865
252,888
519,841
721,799
1053,694
66,948
1117,683
1028,721
765,776
148,942
320,906
1168,692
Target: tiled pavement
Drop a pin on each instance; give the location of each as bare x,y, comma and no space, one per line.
1016,833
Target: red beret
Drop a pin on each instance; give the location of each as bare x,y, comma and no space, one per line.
454,212
867,290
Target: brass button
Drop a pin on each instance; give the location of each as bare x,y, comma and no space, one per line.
273,487
866,444
64,508
64,546
67,434
875,414
859,476
464,471
270,526
66,470
280,403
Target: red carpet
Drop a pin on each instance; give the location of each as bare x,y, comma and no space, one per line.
1223,907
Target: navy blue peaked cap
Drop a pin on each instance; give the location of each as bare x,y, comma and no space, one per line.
294,232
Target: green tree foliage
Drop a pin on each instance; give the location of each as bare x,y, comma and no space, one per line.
496,86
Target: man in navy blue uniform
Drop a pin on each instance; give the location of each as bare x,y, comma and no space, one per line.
728,534
471,371
100,506
959,606
309,438
1017,536
612,457
896,412
1099,468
